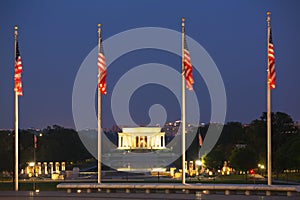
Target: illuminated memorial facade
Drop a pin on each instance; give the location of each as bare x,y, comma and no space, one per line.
140,149
141,138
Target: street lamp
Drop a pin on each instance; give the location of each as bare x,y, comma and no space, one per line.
31,164
198,162
261,167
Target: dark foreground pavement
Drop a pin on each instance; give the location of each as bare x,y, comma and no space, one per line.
62,195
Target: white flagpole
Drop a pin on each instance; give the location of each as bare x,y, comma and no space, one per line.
183,105
269,109
16,121
99,111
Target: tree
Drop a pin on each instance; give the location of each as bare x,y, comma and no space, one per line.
233,133
283,132
256,139
61,144
6,151
56,144
243,159
215,159
293,154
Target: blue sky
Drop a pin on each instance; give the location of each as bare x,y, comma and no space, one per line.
56,36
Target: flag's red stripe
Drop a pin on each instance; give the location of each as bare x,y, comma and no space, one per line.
188,67
271,67
102,71
200,140
17,76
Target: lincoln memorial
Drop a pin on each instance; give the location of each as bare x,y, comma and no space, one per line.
141,138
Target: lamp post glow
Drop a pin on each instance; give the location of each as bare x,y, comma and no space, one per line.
198,162
261,167
31,164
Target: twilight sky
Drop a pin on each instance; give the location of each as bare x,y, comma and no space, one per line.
56,36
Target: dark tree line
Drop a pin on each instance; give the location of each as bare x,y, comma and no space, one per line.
53,144
244,146
6,150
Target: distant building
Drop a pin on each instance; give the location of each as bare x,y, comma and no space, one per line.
44,169
141,138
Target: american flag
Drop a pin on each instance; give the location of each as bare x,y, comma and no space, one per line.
187,66
102,70
271,59
200,139
18,71
35,141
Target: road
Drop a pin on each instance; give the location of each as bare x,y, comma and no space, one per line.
62,195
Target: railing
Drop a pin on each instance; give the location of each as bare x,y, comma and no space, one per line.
227,189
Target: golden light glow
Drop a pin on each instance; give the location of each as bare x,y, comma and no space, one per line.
198,162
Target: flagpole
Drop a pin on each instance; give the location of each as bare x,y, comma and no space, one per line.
183,103
269,109
16,120
99,111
